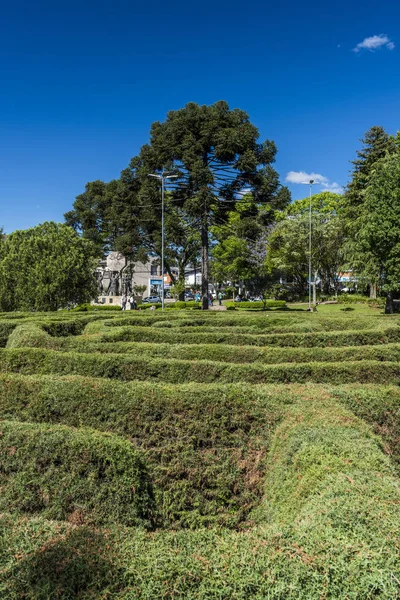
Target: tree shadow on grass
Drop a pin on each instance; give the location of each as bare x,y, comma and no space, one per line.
80,564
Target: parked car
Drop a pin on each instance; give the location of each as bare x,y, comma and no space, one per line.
189,296
238,299
151,300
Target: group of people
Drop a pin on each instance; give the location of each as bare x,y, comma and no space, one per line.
125,301
210,298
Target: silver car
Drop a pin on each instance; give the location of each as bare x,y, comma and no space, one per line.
151,300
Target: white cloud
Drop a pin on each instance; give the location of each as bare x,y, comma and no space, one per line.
324,182
374,43
303,177
333,187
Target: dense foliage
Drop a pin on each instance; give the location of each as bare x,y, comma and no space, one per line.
249,490
46,268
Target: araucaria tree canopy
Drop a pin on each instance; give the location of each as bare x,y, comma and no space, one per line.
217,155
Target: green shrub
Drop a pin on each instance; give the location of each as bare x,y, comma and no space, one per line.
95,307
233,354
128,367
259,305
308,340
377,405
359,299
335,533
147,306
204,445
6,328
32,336
68,474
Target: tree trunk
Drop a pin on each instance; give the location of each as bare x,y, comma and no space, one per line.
204,259
389,308
372,291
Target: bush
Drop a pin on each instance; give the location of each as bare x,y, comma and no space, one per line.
68,474
261,305
128,368
359,299
235,354
6,328
32,336
333,501
307,340
147,306
204,445
95,307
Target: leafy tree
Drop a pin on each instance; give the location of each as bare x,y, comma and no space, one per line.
111,216
376,144
216,152
46,268
378,226
288,244
238,256
124,215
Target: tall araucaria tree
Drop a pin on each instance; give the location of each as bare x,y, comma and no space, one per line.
217,154
378,226
377,143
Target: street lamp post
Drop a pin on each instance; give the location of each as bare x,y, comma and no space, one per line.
310,183
162,178
310,249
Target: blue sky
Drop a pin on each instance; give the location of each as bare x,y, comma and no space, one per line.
81,82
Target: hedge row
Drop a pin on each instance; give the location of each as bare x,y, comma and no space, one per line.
359,299
96,307
308,340
31,335
128,367
277,322
76,475
334,534
377,405
261,305
204,445
231,354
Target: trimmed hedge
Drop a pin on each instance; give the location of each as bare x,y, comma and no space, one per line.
359,299
128,367
94,307
204,445
377,405
6,328
334,535
30,335
76,475
180,305
259,305
308,340
274,322
232,354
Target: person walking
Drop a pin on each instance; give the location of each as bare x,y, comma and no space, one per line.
210,297
220,298
123,301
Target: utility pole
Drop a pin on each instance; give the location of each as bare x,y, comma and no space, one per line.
164,175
